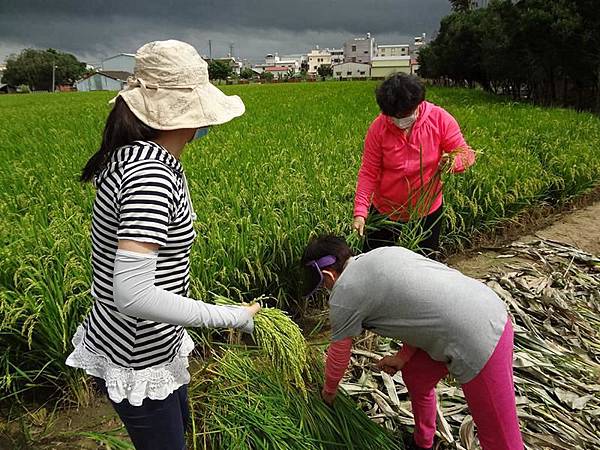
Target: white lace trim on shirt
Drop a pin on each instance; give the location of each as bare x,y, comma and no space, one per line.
155,383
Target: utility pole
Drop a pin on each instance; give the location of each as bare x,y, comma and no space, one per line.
209,49
53,75
231,50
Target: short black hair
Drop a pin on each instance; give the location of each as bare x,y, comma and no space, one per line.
319,247
400,94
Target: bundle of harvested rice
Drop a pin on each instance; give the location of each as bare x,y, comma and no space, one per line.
281,339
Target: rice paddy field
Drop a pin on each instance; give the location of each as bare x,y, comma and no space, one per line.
261,186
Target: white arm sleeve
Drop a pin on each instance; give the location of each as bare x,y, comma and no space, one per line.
136,295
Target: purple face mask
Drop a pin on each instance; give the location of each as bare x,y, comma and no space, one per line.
318,264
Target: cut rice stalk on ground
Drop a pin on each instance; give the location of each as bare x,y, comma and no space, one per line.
553,294
241,402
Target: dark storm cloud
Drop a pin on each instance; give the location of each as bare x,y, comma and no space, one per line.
94,29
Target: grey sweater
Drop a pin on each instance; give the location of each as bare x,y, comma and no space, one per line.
398,293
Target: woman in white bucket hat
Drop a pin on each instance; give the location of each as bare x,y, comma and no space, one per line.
133,341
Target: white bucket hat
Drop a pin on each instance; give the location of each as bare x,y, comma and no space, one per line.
170,89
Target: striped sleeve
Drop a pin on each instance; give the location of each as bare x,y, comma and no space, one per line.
147,199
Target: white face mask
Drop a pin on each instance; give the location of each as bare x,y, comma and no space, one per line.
404,123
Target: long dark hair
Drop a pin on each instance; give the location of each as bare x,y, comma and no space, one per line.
122,128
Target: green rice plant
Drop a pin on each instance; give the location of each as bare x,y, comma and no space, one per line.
241,402
412,232
281,340
110,440
261,185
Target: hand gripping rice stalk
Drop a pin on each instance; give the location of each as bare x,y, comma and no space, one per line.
281,339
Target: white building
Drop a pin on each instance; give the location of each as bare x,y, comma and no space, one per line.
274,60
103,81
393,50
349,70
123,62
298,58
271,59
420,41
337,55
317,58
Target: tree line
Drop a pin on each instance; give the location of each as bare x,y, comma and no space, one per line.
546,51
33,68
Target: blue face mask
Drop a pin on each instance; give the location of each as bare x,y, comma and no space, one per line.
200,133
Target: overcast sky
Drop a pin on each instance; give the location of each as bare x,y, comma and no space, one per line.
95,29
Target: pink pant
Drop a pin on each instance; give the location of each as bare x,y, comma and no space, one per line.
490,396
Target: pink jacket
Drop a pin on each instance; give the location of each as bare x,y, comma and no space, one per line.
399,178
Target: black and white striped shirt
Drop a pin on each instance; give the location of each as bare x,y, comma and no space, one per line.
141,196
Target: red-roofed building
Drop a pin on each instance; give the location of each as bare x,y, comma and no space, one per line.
278,71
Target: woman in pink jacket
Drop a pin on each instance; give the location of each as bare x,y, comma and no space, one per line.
406,148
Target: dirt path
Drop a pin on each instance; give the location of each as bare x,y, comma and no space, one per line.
580,228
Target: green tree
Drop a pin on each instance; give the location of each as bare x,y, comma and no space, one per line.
590,50
503,55
428,62
219,70
325,70
290,73
461,5
550,50
34,69
457,49
267,76
247,73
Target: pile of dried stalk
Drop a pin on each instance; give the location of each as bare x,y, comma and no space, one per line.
553,292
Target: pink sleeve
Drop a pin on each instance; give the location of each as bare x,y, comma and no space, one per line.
454,142
406,352
338,357
368,173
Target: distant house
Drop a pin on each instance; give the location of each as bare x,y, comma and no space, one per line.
274,60
420,41
393,50
317,58
6,89
349,70
256,72
384,66
337,55
297,59
123,62
278,71
360,50
105,80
